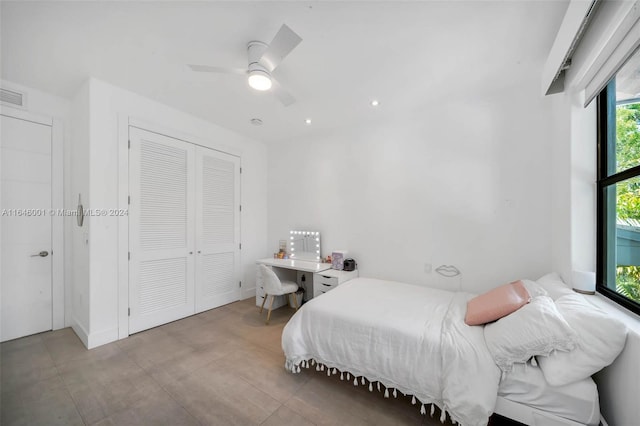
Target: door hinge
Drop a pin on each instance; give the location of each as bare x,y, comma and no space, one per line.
240,170
129,199
129,255
128,311
240,284
240,246
240,207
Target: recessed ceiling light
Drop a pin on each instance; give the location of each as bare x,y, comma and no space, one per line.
374,103
307,121
256,121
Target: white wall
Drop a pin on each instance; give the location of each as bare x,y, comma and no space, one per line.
464,182
40,102
77,184
107,104
573,189
560,206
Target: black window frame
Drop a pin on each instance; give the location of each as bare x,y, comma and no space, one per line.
606,134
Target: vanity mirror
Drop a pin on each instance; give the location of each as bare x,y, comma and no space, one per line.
304,245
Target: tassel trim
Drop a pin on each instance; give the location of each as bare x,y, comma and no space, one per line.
296,367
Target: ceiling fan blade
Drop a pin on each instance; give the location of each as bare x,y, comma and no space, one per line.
222,70
282,44
283,96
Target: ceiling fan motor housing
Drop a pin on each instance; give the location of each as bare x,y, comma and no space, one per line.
255,51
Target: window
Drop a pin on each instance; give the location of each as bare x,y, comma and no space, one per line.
618,258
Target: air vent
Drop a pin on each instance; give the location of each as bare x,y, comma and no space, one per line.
12,98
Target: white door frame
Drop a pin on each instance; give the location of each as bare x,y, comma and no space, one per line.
59,319
124,121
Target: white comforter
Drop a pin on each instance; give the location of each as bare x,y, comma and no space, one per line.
407,337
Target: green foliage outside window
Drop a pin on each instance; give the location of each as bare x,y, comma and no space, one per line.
628,192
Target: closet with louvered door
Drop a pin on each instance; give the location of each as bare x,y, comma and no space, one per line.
217,229
183,229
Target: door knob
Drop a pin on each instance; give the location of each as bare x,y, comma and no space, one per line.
43,253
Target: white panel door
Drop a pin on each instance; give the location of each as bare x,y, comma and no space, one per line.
217,228
161,229
26,277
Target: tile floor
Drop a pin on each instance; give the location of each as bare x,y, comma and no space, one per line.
221,367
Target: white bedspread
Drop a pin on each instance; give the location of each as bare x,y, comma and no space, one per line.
406,337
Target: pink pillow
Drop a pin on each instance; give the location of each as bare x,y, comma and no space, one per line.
496,303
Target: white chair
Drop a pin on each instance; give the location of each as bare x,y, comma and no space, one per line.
274,287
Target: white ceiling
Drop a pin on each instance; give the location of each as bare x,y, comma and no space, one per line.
406,54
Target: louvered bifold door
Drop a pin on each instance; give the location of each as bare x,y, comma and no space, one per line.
217,228
161,230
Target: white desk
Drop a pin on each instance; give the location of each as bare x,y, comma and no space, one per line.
299,271
298,265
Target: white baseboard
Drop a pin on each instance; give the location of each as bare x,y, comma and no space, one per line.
80,331
93,340
102,337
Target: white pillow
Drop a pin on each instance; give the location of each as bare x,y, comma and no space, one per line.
600,340
534,289
535,329
554,285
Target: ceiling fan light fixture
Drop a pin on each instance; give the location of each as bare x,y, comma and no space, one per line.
259,80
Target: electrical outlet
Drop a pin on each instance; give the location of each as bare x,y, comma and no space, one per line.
427,268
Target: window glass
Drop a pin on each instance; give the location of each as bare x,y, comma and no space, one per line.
627,136
627,115
619,186
623,242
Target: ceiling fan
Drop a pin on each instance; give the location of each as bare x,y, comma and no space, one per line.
263,59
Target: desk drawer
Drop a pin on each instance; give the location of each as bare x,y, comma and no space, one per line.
321,288
326,280
324,286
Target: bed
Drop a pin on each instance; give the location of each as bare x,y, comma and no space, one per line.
395,337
